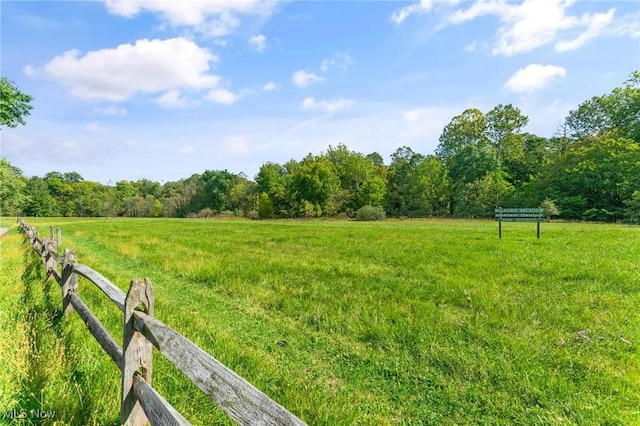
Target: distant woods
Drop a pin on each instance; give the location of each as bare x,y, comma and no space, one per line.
589,170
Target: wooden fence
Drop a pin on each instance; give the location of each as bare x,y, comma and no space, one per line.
140,403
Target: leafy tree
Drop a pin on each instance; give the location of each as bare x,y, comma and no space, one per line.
503,123
313,181
466,129
40,202
426,189
242,196
125,191
88,199
403,161
12,186
481,197
14,105
376,159
272,180
618,111
62,190
361,180
265,207
592,179
217,187
157,209
632,208
488,151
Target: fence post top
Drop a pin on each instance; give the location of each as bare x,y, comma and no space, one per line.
69,256
140,294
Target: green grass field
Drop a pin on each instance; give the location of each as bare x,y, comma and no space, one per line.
394,322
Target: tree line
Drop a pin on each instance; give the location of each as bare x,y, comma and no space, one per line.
589,170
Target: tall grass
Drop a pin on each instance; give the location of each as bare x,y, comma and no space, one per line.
396,322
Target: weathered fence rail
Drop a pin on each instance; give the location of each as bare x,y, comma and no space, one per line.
140,403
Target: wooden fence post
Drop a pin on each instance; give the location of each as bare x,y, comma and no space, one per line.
69,280
49,259
59,240
137,352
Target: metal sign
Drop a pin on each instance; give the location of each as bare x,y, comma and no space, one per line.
519,215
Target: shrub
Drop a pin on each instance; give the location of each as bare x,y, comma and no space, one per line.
371,213
550,208
205,213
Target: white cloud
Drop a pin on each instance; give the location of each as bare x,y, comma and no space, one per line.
258,42
222,42
596,24
95,127
534,23
334,105
223,25
111,110
303,79
148,66
29,71
188,12
626,26
339,60
172,99
270,86
422,6
531,25
533,77
223,96
235,146
480,8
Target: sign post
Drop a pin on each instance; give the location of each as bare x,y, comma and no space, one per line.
519,215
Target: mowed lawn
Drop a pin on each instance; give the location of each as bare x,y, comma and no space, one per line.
394,322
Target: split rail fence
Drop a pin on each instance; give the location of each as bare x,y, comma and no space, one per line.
140,403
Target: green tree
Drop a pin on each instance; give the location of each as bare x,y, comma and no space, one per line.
88,198
488,152
40,202
272,180
62,190
632,208
12,189
362,181
481,197
403,161
242,196
618,111
265,207
466,149
14,105
427,188
504,124
313,181
593,179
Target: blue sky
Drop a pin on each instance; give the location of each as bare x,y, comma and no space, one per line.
164,89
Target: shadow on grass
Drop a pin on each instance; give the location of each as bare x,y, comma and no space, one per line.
53,390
